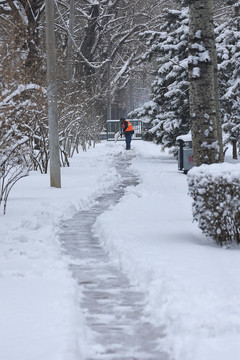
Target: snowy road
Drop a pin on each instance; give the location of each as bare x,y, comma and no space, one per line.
113,308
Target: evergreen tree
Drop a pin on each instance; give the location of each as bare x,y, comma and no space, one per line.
168,110
228,45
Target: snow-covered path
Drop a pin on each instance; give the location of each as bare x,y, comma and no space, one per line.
191,286
114,308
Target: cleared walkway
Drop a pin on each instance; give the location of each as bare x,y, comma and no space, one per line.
114,309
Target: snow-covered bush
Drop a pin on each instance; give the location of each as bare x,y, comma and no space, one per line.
14,160
215,190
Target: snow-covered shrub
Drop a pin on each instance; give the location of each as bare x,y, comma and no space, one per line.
14,160
215,190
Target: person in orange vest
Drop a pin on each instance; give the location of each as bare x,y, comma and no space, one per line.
128,131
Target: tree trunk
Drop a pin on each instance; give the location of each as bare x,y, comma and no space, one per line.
70,42
234,149
203,94
89,40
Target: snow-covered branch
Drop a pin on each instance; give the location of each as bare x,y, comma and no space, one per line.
20,89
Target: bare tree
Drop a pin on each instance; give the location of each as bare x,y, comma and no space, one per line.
106,46
97,46
24,18
14,160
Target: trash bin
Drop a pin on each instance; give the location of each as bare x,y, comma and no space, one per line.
185,154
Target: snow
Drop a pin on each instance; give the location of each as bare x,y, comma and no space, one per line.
19,90
192,286
225,170
187,137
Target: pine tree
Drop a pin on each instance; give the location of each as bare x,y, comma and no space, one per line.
228,45
168,110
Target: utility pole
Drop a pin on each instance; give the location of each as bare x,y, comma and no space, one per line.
55,176
109,99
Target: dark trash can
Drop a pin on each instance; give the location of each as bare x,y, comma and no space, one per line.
185,153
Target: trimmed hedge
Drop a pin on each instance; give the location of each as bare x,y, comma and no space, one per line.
215,190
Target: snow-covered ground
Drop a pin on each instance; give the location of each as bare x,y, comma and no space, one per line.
192,286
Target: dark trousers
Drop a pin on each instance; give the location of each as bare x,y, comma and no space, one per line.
128,140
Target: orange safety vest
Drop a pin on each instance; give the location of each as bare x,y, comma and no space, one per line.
129,128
